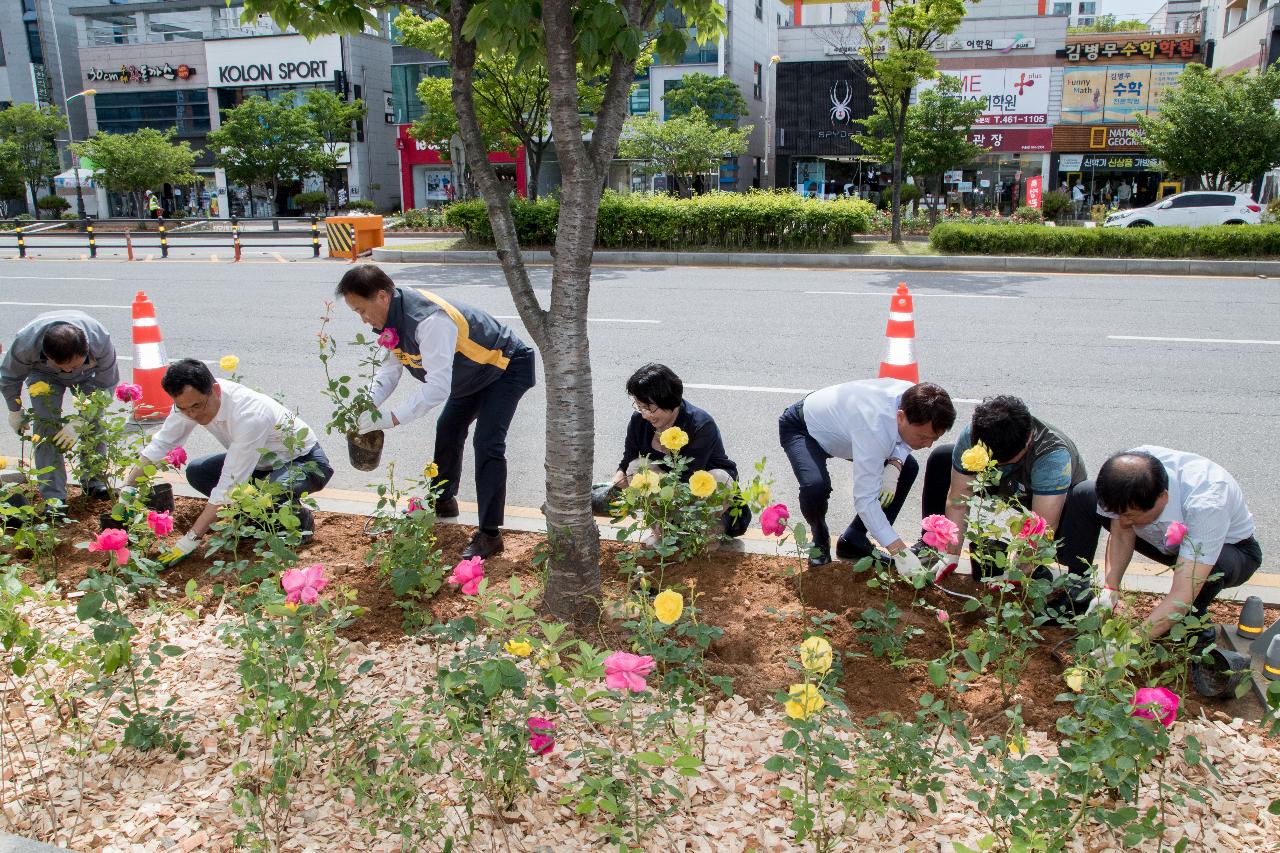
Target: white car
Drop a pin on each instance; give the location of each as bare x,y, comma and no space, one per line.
1191,208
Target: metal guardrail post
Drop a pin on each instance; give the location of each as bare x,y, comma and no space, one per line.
235,236
164,239
315,236
22,244
93,242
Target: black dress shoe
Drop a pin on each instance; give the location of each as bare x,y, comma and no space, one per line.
850,553
822,558
307,522
447,508
97,491
483,545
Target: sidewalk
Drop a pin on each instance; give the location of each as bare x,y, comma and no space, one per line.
817,260
1143,575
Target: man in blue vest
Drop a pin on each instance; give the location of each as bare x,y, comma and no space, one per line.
466,360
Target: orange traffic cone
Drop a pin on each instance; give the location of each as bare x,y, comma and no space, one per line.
149,362
900,339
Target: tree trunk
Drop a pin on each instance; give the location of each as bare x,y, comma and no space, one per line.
899,134
34,188
933,208
533,155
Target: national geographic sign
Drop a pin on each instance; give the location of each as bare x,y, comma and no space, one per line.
272,61
819,104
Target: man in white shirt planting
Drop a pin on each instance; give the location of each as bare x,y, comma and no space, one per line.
1179,509
263,439
875,423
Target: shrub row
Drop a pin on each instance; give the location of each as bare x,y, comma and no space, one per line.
754,220
1221,241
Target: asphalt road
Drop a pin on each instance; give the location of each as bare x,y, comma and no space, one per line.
1115,361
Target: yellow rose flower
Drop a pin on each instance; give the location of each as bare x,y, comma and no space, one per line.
229,362
976,458
646,481
548,660
805,701
815,655
667,606
1017,746
702,484
673,438
431,471
38,389
35,439
519,648
1074,679
4,462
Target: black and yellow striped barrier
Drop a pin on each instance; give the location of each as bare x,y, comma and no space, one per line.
342,240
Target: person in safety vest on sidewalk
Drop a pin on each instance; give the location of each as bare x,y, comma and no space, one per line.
467,361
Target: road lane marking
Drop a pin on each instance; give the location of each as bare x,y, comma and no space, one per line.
764,389
67,304
913,293
1193,340
47,278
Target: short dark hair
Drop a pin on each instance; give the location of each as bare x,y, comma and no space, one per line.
187,373
1131,480
365,281
63,342
656,385
926,403
1003,424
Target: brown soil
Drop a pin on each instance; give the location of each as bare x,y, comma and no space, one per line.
754,598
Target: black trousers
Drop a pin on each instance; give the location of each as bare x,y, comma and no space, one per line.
1068,533
1235,565
809,462
491,409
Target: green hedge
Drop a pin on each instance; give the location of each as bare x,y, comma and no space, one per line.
1219,241
754,220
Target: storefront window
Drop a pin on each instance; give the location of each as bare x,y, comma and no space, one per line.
404,88
126,112
994,183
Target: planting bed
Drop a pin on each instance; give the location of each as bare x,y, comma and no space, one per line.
155,801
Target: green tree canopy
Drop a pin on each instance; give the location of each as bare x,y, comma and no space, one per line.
1110,24
135,162
1220,130
30,132
937,137
263,143
335,121
682,146
718,97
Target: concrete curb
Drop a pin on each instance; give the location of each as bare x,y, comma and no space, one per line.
951,263
15,844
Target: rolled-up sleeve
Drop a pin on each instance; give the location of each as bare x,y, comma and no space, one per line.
868,467
176,428
13,370
437,342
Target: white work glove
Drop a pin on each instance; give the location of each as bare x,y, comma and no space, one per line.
1106,654
1105,599
368,423
65,438
941,568
15,421
180,550
889,484
907,563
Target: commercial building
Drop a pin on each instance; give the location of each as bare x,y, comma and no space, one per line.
178,64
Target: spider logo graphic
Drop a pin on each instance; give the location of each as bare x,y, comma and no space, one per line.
840,104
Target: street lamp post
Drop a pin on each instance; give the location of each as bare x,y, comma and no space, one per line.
71,139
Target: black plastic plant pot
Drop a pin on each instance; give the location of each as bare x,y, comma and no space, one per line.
108,522
1220,674
161,498
366,450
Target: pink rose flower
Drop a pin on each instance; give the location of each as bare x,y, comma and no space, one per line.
625,671
389,338
1156,703
944,617
113,540
176,457
415,504
468,574
541,735
128,393
303,586
1174,535
1033,526
940,532
161,523
772,518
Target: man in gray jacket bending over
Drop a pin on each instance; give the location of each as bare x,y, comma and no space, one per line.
54,352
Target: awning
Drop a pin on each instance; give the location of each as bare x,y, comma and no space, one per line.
67,179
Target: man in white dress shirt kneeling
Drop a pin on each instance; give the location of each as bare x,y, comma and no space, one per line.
263,439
